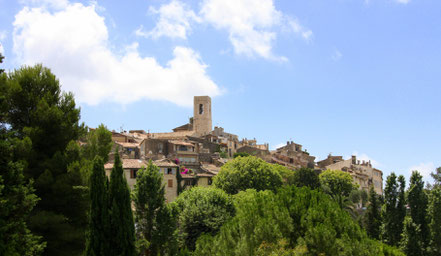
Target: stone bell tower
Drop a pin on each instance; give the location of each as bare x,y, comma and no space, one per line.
202,115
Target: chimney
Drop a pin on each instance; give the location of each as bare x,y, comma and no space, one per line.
354,160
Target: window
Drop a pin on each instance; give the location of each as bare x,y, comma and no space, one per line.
188,182
210,181
201,109
133,174
170,183
169,171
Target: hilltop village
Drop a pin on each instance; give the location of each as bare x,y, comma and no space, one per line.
197,151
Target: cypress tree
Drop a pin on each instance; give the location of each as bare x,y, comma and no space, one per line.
153,217
389,232
98,238
435,221
401,205
373,215
418,202
411,242
122,228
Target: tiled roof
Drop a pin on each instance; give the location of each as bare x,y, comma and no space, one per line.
128,164
181,142
210,168
165,163
172,135
128,144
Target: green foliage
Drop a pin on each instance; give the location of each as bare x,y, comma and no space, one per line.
201,210
99,143
295,221
393,210
306,177
98,236
373,215
286,173
437,177
244,173
434,212
45,124
1,61
337,184
155,223
418,203
122,228
17,199
242,154
411,242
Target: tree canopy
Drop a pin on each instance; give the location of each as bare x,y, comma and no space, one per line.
296,221
338,184
154,219
44,124
201,210
243,173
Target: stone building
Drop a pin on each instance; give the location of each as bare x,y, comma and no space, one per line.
167,168
202,123
362,172
293,156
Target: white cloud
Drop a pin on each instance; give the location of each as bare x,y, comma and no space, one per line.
424,169
56,4
402,1
248,22
251,24
174,21
2,50
299,29
74,43
3,35
337,55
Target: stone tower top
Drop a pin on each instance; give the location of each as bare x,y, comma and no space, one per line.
202,115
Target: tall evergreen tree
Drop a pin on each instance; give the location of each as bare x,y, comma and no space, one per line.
389,232
418,202
45,125
435,221
17,199
122,228
411,243
437,177
153,217
373,216
97,242
401,204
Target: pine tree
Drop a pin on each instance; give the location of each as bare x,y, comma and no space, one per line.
373,215
153,217
122,228
418,202
17,199
435,221
97,242
389,232
45,125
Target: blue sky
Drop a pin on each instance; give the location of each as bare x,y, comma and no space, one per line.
337,76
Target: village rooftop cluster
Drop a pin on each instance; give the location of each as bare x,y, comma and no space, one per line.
197,151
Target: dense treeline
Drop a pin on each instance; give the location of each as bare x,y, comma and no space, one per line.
56,198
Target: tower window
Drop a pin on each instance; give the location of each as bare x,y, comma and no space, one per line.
201,109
